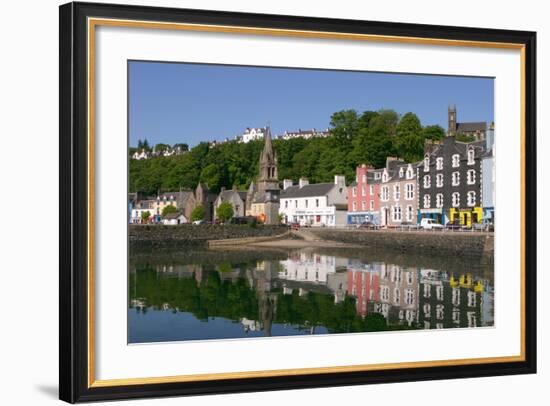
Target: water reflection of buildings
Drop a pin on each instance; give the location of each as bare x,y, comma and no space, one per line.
306,272
409,296
398,294
448,301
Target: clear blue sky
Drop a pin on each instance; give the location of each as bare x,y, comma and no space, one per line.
177,102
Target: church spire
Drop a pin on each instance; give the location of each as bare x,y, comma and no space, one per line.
268,158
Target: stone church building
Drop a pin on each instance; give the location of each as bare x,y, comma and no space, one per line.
262,200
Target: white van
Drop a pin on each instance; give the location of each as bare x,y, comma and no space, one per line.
430,224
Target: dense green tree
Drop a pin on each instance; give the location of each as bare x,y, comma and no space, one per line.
169,210
211,175
224,211
409,141
198,213
160,147
433,132
182,146
145,215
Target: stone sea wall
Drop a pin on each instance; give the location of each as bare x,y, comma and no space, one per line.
474,246
188,234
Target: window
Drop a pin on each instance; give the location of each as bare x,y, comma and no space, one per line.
410,172
456,296
439,292
455,180
427,291
426,201
307,202
410,213
296,204
456,160
426,163
396,296
372,204
456,199
427,181
471,299
376,175
439,180
286,204
440,311
354,191
363,205
439,163
385,176
439,200
426,308
471,177
371,190
396,192
363,190
385,194
471,160
397,213
316,202
354,206
409,296
409,191
471,199
409,278
401,172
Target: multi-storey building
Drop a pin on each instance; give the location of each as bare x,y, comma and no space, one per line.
251,134
319,204
398,294
364,196
449,181
398,193
446,301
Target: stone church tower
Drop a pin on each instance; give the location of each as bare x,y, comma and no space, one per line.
263,195
267,179
451,129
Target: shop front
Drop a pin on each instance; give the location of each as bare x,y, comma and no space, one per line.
438,215
466,216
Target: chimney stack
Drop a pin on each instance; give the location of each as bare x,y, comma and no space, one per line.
287,183
302,182
340,180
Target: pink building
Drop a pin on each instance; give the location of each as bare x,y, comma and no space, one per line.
365,287
364,196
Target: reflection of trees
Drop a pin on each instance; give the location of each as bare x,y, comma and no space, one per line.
234,299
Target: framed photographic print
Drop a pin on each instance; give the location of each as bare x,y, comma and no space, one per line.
256,202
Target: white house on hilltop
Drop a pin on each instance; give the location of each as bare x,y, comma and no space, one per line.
252,134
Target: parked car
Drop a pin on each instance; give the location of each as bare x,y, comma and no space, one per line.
430,224
369,225
199,222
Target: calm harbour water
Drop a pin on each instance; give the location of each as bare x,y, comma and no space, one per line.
202,294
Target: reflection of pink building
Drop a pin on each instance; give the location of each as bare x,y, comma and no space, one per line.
365,287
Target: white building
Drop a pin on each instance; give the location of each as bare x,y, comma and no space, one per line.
174,219
319,204
306,134
141,155
252,134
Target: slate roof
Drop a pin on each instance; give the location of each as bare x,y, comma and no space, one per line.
314,189
227,194
171,216
471,127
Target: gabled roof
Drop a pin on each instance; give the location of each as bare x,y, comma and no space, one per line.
171,216
311,190
228,194
471,127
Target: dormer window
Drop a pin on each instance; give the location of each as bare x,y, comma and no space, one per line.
401,172
377,175
410,172
456,160
471,153
427,163
385,176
